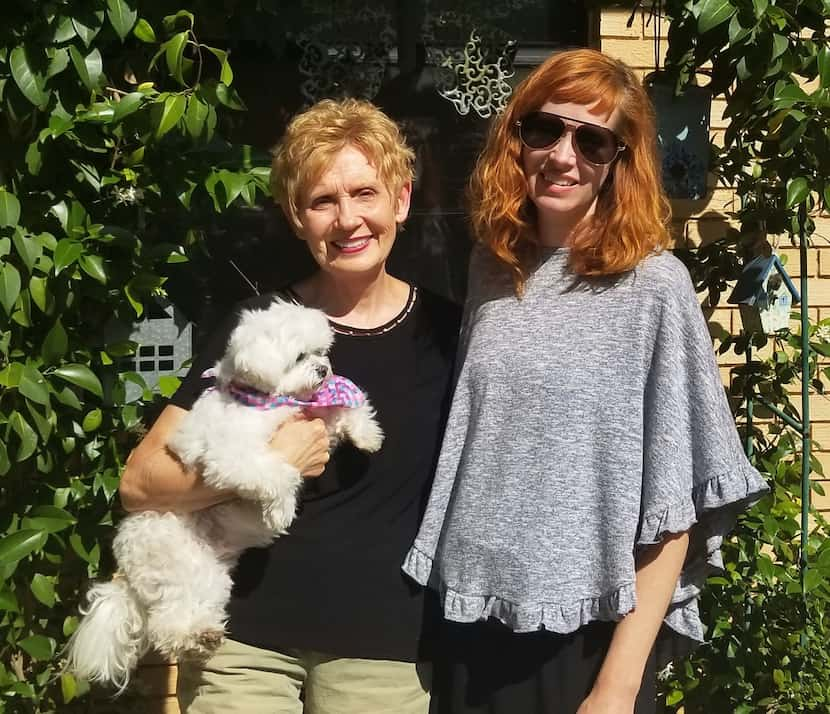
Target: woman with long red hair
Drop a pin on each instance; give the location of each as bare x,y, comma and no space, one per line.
591,465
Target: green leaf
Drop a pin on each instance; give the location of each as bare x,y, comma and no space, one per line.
29,82
38,289
229,97
55,344
27,435
171,20
5,463
779,46
93,266
760,7
43,589
34,159
33,386
28,248
49,519
66,252
68,398
786,95
778,678
8,601
9,287
18,545
172,111
92,420
790,140
225,71
88,26
713,13
736,31
127,105
9,209
174,54
81,376
5,247
10,375
89,68
812,579
90,556
63,30
797,191
122,17
58,61
69,687
233,183
38,647
824,66
194,118
168,384
73,217
22,315
43,424
143,30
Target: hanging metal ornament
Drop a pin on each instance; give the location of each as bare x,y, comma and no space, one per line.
346,56
478,82
472,61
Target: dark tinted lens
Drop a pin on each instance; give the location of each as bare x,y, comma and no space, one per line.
596,144
539,132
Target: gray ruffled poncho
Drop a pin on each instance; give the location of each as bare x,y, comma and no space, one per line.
588,420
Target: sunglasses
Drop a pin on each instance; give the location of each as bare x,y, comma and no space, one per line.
594,143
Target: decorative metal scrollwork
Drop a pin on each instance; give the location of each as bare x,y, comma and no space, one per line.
355,67
471,75
479,84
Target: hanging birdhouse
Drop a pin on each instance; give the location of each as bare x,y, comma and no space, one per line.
164,341
765,294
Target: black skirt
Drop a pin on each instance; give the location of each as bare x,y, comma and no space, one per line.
484,668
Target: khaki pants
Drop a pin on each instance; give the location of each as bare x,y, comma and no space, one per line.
241,678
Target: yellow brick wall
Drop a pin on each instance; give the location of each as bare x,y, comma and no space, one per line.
695,222
698,222
154,687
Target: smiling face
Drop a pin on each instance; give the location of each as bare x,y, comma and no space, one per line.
348,217
561,184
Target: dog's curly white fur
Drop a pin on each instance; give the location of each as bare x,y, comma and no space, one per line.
173,581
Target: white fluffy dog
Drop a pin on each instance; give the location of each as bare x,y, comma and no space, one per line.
173,581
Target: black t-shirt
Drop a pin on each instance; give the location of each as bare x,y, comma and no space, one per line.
334,582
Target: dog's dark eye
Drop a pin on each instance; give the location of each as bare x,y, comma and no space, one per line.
301,357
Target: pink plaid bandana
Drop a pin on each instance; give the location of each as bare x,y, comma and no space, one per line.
336,391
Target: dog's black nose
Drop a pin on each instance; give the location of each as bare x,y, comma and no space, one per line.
322,371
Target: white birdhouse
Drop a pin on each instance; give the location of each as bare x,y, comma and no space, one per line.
765,294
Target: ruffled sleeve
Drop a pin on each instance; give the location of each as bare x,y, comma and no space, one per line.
695,474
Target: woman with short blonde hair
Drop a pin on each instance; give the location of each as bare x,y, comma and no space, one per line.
323,621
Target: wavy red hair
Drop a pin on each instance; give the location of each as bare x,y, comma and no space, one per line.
632,213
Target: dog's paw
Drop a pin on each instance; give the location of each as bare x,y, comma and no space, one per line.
200,646
368,436
208,642
277,515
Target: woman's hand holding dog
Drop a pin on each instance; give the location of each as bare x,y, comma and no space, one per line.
304,443
154,479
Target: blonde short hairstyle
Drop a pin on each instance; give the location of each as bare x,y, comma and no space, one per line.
315,136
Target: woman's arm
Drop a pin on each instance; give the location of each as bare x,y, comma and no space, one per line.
155,479
658,567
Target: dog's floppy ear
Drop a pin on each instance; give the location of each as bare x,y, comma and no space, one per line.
265,343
